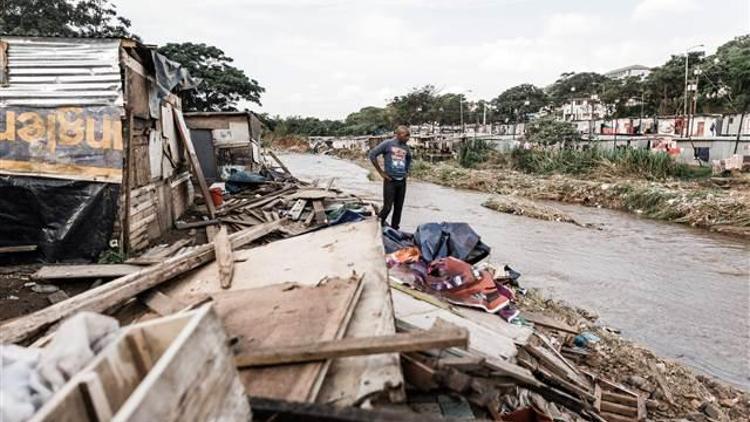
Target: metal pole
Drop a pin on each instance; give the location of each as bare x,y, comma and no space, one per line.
684,105
461,108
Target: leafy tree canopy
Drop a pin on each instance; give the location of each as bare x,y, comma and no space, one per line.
575,85
223,85
518,101
67,18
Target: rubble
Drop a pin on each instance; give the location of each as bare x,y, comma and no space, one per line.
320,326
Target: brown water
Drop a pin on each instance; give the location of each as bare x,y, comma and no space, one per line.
682,292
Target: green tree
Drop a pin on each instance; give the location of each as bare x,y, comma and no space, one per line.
575,85
367,121
726,76
67,18
518,101
416,107
222,86
622,97
549,131
664,87
446,109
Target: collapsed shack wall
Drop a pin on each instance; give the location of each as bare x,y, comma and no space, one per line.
77,130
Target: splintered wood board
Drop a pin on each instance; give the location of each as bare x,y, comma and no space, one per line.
59,272
285,315
306,259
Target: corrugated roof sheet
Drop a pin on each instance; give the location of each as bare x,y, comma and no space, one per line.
53,72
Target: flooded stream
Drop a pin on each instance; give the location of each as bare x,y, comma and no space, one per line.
682,292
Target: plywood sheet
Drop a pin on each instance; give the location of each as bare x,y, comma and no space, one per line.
286,315
481,339
332,252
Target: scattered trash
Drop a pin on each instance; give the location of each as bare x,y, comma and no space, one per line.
585,338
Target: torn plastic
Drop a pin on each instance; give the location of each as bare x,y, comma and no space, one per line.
66,219
170,76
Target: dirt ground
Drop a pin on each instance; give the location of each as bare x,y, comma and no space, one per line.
17,290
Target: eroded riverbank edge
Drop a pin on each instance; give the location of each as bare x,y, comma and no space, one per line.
720,205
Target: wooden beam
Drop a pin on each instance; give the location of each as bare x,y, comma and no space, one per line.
224,257
184,135
62,272
320,212
283,167
403,342
117,291
15,249
548,322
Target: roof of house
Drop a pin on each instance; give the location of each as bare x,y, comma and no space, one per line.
626,68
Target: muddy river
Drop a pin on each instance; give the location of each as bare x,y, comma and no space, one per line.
682,292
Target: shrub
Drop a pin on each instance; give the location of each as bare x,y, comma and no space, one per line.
473,151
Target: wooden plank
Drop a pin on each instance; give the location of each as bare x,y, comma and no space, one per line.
619,409
184,133
62,272
320,212
161,303
403,342
211,232
283,167
224,257
297,209
619,398
16,249
283,315
313,194
612,417
115,292
548,322
422,315
163,253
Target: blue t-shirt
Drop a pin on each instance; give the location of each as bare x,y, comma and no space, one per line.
396,157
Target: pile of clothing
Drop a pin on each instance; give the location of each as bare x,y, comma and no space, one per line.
443,259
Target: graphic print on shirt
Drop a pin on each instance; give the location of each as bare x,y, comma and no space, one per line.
398,158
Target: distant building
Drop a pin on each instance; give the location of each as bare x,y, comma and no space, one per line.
628,71
582,109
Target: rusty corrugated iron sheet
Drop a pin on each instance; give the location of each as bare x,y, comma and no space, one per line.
55,72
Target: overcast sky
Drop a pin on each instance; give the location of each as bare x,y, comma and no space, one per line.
327,58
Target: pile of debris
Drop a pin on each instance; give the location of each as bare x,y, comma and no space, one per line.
288,308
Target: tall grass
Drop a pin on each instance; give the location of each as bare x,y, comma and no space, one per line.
472,152
632,162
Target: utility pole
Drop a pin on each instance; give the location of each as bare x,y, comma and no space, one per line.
461,112
685,102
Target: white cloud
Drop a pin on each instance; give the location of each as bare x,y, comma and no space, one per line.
662,9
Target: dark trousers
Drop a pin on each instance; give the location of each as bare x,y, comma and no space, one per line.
394,192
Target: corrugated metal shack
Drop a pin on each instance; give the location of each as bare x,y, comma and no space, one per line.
86,132
225,141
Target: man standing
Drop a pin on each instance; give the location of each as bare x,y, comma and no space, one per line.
397,159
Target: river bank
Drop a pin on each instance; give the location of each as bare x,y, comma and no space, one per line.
646,278
673,390
717,204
